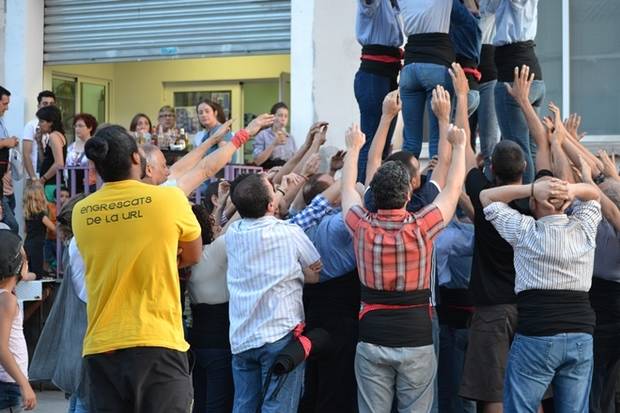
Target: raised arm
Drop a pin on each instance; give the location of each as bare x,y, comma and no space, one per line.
448,198
461,89
609,210
391,107
520,91
440,104
542,190
350,197
190,160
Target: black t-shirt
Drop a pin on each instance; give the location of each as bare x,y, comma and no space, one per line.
492,272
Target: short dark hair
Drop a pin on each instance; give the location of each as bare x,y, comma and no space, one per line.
134,122
251,197
111,150
405,158
64,216
206,223
45,94
313,187
279,105
4,92
212,189
88,119
391,185
52,114
216,107
508,161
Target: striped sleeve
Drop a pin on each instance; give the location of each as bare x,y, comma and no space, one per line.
430,221
589,215
509,223
308,254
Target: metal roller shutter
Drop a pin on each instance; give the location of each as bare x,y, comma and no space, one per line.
80,31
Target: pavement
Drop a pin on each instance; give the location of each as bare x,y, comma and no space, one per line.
49,401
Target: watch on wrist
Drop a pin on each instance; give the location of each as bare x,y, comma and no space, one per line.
599,179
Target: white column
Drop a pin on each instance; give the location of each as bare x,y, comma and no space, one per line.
23,67
324,59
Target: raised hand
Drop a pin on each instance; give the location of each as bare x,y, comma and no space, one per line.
520,89
552,188
223,189
312,165
219,134
440,103
260,122
290,180
459,80
609,165
392,103
572,126
314,129
456,136
354,137
321,136
337,161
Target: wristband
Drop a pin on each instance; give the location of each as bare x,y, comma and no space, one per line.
240,138
600,178
280,191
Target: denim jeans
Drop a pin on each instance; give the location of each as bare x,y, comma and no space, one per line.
417,81
250,371
8,216
452,349
487,123
512,122
383,371
10,397
565,361
370,90
213,381
77,405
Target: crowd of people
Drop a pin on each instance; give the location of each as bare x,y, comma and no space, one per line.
479,282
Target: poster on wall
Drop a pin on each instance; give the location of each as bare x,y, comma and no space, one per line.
185,107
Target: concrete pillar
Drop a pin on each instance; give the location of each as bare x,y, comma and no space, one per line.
324,59
23,70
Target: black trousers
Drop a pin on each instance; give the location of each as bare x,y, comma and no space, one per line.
139,380
605,374
330,384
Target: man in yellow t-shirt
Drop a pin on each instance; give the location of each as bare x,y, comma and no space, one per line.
132,236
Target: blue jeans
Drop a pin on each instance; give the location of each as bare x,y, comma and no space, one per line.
10,396
370,90
512,122
417,81
213,380
565,361
77,405
452,349
250,370
487,123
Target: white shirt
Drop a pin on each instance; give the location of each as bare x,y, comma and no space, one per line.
425,16
208,281
555,252
265,280
30,130
77,270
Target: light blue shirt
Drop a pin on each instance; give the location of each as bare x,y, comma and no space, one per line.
333,241
454,251
425,16
378,22
515,20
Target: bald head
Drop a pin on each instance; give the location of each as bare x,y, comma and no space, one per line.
156,170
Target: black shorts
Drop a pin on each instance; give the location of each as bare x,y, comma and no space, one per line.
490,335
139,379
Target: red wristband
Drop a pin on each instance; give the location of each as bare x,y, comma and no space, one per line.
240,138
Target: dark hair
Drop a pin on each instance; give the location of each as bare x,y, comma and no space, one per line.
279,105
88,119
313,187
11,259
206,223
65,215
212,189
216,107
52,114
134,122
111,150
46,94
508,161
405,158
390,185
251,196
4,92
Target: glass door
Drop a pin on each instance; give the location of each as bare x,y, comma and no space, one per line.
65,89
93,99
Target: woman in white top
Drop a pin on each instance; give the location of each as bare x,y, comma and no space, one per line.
208,337
85,126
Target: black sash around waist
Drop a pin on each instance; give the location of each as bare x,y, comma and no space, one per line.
429,48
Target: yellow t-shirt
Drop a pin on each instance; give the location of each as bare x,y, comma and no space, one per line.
128,234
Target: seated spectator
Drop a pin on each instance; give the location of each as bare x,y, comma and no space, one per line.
274,146
211,118
141,124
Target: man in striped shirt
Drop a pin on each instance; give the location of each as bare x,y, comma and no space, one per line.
268,262
393,250
554,259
